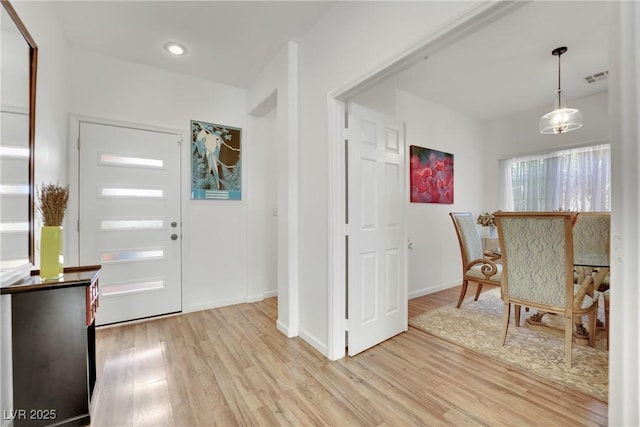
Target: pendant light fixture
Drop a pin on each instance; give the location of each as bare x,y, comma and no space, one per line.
562,119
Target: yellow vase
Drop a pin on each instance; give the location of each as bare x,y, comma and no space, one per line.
51,256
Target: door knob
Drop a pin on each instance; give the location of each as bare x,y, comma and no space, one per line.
174,236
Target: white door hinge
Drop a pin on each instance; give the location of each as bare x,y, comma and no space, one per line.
347,134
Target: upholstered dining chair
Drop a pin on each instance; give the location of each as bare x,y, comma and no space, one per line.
537,262
477,265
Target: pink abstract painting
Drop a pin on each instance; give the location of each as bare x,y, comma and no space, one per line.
431,178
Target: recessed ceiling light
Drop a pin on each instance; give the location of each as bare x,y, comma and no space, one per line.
175,48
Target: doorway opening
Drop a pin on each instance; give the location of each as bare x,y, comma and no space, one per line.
385,89
262,202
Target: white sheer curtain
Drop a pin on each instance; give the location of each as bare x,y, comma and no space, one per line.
578,180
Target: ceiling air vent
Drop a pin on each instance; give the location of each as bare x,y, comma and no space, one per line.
597,77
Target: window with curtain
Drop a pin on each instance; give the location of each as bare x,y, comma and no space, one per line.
578,179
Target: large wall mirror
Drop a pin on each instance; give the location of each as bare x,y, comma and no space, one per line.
18,65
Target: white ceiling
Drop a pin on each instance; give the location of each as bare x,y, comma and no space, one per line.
507,66
504,67
228,41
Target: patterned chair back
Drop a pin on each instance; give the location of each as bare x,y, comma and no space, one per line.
591,238
468,236
537,258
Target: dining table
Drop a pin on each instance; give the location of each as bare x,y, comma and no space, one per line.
595,264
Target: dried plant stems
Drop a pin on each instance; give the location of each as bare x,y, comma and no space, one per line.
53,203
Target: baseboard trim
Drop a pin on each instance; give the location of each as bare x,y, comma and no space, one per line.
432,289
315,343
213,304
283,328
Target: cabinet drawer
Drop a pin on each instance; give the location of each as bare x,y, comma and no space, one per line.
93,298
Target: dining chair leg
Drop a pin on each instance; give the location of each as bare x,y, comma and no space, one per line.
517,309
506,313
593,330
478,290
568,340
463,292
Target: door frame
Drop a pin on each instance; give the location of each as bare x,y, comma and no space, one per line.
71,234
480,15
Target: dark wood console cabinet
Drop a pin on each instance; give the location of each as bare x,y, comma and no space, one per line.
53,347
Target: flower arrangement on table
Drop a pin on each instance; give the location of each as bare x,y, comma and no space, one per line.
486,219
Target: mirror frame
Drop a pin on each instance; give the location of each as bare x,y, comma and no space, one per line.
33,68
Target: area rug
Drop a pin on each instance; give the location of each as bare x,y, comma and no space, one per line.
477,326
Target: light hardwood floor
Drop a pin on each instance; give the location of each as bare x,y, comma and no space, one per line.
230,366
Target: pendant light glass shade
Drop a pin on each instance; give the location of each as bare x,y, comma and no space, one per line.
562,119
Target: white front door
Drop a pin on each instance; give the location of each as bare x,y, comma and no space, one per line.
129,200
377,287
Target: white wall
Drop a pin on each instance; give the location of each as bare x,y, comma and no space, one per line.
277,85
624,376
380,98
435,260
14,71
214,239
517,134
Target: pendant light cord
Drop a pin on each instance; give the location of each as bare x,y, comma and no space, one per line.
559,89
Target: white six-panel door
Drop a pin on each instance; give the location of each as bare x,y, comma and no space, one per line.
129,201
377,287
